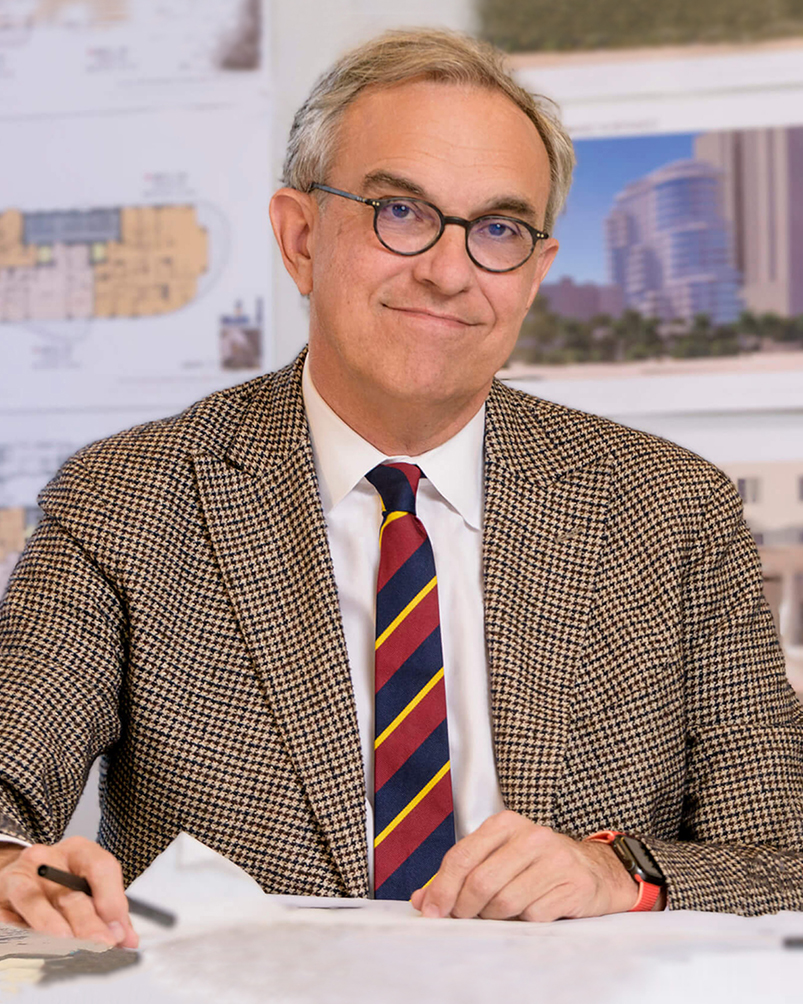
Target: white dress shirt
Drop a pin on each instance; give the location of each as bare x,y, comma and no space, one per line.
450,505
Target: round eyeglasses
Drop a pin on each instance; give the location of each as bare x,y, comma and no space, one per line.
409,226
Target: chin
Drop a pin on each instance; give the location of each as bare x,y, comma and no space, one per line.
425,385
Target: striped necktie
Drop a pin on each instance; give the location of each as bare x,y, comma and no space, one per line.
413,817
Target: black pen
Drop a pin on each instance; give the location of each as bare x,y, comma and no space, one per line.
71,881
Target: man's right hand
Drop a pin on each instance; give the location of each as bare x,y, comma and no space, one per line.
30,901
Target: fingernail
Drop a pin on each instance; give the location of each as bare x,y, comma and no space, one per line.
117,930
430,910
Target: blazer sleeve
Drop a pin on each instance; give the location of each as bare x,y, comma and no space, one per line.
62,651
741,841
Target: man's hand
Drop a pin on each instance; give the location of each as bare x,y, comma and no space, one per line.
510,867
30,901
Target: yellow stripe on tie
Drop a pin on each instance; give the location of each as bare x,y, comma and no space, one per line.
411,805
419,697
428,881
391,516
410,606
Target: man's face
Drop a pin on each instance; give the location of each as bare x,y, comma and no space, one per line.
433,327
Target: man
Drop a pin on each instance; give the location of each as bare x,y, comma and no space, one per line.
198,603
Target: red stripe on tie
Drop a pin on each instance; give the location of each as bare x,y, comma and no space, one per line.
413,830
408,735
397,648
400,540
412,472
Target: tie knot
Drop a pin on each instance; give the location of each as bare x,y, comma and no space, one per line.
397,485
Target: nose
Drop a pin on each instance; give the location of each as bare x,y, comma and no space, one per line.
446,265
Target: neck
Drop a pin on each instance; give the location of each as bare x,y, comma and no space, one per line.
395,426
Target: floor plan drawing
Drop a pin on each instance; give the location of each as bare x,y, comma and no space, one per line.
132,261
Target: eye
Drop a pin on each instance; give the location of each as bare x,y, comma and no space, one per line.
498,230
400,211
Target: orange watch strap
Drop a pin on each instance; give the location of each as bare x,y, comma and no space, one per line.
647,896
606,836
647,892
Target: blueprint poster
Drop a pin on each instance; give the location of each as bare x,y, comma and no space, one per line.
68,56
135,244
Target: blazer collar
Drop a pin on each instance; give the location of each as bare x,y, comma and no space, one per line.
274,425
265,520
536,440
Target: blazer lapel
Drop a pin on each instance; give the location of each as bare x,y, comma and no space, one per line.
267,526
546,495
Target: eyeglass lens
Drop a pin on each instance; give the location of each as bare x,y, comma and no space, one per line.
409,226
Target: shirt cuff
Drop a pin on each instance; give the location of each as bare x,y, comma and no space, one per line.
6,838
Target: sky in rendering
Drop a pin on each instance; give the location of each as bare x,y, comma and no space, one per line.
604,167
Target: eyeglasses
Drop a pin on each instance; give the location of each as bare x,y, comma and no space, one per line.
412,226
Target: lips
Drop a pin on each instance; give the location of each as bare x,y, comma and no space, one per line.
435,315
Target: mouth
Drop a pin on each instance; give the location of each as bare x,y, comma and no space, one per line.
433,316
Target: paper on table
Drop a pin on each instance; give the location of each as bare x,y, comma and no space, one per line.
233,942
356,956
307,950
31,957
206,889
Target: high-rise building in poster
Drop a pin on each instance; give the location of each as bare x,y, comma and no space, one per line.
669,245
762,189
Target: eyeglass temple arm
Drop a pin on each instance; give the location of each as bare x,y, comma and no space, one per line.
345,195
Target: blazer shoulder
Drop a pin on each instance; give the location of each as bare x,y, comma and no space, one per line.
150,465
639,460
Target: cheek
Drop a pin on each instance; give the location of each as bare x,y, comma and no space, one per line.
508,297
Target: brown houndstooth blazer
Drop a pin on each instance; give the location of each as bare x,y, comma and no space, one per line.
176,612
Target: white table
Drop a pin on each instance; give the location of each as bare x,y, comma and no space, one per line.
236,945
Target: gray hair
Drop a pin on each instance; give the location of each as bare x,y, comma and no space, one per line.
422,54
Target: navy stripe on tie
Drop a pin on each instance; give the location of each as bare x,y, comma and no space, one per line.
393,487
402,787
413,674
404,585
407,877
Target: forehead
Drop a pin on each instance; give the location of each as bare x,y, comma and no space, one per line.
462,144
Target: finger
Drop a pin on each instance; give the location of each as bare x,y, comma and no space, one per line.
416,899
508,867
26,897
441,894
560,902
9,916
80,913
104,875
512,899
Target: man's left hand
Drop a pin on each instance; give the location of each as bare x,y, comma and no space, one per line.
510,867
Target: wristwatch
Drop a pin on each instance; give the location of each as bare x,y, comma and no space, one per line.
640,864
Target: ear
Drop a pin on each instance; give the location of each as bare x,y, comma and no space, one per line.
546,255
292,216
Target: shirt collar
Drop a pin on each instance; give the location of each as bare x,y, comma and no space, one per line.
343,457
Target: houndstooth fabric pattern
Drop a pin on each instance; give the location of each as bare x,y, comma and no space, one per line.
176,613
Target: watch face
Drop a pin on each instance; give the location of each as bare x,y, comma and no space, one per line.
638,860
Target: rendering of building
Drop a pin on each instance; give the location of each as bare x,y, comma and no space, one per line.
582,301
669,245
762,199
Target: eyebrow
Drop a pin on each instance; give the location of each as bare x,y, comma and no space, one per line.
385,179
512,205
